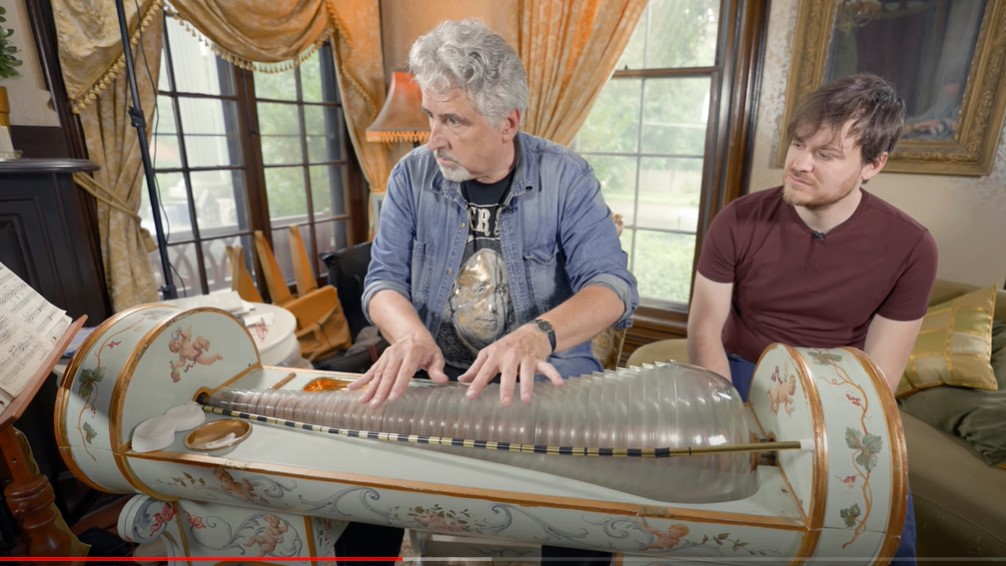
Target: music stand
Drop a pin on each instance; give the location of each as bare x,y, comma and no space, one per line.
29,495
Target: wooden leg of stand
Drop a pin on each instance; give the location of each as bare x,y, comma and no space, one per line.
30,498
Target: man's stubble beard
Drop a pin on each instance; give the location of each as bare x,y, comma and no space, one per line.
817,201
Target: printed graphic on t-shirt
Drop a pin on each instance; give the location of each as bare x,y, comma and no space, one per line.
479,310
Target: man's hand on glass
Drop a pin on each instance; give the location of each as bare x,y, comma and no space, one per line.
518,356
389,377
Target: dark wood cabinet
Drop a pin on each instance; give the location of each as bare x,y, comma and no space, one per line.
49,234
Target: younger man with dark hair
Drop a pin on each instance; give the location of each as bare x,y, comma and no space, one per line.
818,262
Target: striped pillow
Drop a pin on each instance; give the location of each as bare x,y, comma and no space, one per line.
953,346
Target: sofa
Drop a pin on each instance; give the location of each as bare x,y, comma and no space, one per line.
960,500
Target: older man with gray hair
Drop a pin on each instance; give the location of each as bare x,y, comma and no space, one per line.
496,258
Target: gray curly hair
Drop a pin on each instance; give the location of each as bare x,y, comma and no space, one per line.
469,56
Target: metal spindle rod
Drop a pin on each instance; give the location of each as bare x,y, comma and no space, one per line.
664,452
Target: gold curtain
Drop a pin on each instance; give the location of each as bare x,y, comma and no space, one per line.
359,65
570,48
250,33
91,56
90,44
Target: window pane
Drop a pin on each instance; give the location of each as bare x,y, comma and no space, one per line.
328,190
217,266
332,236
678,33
319,149
173,205
280,127
633,55
276,86
276,118
282,150
286,194
613,123
207,115
618,183
322,120
325,144
163,82
669,193
195,66
219,201
165,152
175,217
675,116
185,269
662,264
314,120
212,151
310,79
211,137
164,121
682,33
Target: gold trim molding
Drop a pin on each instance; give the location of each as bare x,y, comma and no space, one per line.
972,149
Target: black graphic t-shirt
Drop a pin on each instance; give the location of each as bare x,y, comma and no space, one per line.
479,310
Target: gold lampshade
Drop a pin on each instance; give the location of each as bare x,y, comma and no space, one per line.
402,118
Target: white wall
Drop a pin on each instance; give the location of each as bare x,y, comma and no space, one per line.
30,102
966,215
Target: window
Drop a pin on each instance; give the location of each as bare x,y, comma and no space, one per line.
236,151
655,137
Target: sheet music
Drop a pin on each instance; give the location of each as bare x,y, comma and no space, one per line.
21,354
18,299
30,326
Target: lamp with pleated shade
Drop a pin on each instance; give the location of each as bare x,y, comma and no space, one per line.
401,119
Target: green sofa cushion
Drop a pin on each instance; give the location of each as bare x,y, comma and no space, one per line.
998,359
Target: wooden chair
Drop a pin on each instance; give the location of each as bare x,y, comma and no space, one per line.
302,271
241,279
321,324
279,293
607,347
660,351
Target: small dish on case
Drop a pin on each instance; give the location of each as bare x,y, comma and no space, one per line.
218,435
326,384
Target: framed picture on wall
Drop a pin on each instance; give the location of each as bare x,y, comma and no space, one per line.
945,57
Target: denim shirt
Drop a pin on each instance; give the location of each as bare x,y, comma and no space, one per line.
556,237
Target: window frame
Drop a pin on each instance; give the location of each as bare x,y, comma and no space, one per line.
253,168
735,83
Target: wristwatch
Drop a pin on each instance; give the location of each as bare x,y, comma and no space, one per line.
545,327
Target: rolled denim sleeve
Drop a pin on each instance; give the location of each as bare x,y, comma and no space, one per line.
391,252
590,240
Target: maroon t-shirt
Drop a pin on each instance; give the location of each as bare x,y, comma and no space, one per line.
793,287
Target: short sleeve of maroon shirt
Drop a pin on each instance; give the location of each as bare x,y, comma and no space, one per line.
802,290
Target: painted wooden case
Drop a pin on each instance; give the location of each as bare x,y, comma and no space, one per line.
841,497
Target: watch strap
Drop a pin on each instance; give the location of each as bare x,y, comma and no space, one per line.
546,328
